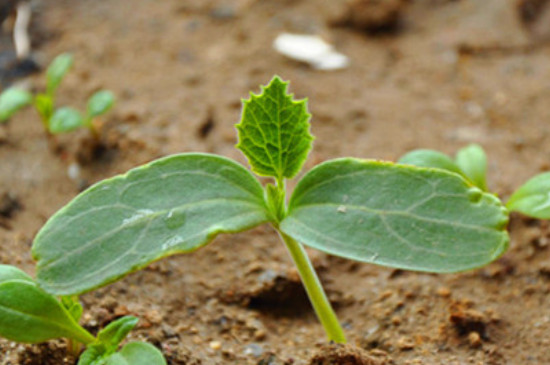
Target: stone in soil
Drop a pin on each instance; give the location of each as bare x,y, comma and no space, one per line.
373,16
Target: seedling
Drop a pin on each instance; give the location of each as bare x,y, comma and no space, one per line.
30,315
531,199
393,215
64,119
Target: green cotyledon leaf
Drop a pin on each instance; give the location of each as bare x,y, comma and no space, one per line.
173,205
399,216
137,353
533,197
274,131
29,314
430,158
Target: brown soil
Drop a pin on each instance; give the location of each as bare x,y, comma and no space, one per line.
179,69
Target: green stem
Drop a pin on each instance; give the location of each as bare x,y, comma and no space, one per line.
314,290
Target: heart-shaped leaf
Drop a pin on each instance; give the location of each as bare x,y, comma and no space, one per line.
395,215
173,205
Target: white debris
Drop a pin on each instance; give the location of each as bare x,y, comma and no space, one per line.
73,171
310,49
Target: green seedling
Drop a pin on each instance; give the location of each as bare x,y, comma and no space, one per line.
378,212
30,315
531,199
61,120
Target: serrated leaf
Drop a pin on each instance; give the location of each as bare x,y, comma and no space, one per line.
29,314
112,335
100,103
137,353
57,70
11,100
274,131
533,197
65,120
430,158
173,205
473,162
398,216
8,272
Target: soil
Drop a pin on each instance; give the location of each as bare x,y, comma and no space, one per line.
451,73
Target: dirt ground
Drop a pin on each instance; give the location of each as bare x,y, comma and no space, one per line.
423,73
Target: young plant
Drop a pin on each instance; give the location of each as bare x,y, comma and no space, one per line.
379,212
531,199
30,315
61,120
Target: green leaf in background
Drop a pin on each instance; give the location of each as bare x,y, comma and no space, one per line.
30,315
137,353
430,158
473,162
44,106
274,131
57,70
112,335
398,216
65,120
100,103
11,100
533,197
173,205
8,272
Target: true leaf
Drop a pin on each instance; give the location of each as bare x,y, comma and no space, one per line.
11,100
94,354
274,131
112,335
57,70
137,353
65,120
533,197
44,106
73,306
29,314
100,103
395,215
473,162
430,158
173,205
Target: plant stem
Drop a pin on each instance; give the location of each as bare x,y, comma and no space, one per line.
314,290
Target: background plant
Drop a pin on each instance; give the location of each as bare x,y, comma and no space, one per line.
56,120
30,315
531,199
393,215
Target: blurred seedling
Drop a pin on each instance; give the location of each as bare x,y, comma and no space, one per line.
392,215
531,199
56,120
30,315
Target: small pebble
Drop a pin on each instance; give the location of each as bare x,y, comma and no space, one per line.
474,339
253,349
215,345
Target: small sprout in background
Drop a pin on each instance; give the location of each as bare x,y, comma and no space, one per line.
64,119
30,315
531,199
388,214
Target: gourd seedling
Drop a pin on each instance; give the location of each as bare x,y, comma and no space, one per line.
61,120
30,315
531,199
393,215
